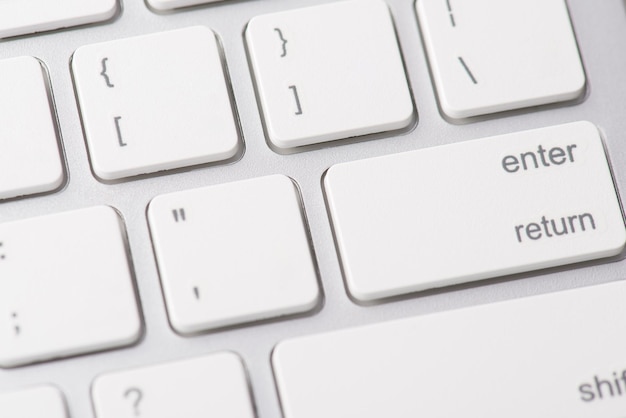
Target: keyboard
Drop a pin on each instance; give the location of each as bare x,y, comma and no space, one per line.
312,208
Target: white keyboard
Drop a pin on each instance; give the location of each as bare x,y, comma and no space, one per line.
312,208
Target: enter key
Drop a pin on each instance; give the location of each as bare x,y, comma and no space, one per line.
474,210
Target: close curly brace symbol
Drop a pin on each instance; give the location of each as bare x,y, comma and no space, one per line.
284,41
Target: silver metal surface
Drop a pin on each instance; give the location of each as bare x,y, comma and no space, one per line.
600,26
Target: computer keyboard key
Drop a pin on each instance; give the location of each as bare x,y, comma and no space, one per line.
30,160
328,72
233,253
35,402
490,56
474,210
155,102
66,287
554,355
19,17
165,5
211,386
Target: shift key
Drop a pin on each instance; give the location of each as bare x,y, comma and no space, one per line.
474,210
558,355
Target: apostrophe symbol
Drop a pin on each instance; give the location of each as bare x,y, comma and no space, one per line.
136,396
16,327
284,41
103,73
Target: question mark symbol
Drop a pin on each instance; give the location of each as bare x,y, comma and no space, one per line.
138,395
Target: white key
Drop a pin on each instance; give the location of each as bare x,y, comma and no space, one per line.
163,5
66,287
474,210
556,355
210,386
36,402
489,56
328,72
233,253
19,17
149,105
30,161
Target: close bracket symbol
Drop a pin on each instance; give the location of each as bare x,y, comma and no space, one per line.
103,73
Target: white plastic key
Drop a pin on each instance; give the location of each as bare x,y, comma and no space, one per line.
490,56
30,161
66,287
474,210
19,17
155,102
36,402
233,253
556,355
210,386
164,5
328,72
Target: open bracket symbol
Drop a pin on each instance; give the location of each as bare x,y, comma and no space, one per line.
104,74
2,255
284,41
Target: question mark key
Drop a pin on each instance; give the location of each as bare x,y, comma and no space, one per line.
213,385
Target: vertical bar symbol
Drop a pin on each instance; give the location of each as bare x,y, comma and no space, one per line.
452,22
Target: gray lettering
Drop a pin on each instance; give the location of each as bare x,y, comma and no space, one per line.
557,156
555,227
570,152
534,159
542,154
510,164
517,229
582,218
533,231
542,157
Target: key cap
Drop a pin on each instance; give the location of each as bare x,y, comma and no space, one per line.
164,5
555,355
328,72
210,386
30,161
66,287
488,56
18,17
149,105
36,402
474,210
233,253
